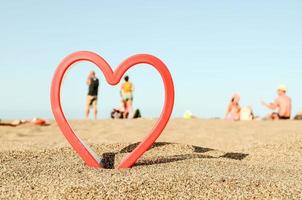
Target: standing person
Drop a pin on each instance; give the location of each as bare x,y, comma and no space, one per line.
283,105
126,92
233,110
92,97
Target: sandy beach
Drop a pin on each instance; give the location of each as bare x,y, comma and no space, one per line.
193,159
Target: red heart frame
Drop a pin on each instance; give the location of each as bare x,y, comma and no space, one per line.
113,78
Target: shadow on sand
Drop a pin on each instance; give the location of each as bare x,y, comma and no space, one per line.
109,158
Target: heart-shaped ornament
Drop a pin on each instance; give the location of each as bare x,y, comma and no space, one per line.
113,78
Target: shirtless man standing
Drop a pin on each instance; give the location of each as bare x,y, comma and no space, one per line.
282,103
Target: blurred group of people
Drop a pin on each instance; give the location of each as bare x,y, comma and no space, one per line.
281,107
126,94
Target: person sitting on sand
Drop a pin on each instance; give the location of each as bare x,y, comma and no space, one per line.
118,113
283,105
92,97
126,93
233,110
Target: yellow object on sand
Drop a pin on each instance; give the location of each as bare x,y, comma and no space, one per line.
188,115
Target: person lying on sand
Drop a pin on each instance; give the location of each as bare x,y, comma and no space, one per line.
35,121
283,105
233,110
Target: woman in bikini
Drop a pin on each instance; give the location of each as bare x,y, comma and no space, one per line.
233,110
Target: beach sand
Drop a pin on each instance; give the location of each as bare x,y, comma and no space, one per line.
192,159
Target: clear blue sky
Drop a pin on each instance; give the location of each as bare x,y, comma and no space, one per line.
212,48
